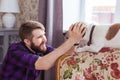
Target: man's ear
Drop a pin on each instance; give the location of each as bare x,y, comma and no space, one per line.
27,42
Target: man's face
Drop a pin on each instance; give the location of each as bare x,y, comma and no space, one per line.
39,40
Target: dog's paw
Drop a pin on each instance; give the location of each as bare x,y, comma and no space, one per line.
82,43
77,50
81,49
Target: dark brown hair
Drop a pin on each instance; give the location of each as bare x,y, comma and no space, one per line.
113,30
25,30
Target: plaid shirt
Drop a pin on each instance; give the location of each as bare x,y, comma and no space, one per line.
19,63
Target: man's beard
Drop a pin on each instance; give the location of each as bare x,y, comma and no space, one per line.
36,48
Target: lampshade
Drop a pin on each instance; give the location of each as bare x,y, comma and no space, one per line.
10,6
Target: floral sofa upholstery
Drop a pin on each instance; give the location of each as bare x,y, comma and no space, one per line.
104,65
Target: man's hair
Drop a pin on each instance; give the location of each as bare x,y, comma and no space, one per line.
25,30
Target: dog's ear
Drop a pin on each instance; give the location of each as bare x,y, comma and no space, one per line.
65,34
113,30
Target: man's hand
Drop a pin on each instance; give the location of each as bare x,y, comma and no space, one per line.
76,31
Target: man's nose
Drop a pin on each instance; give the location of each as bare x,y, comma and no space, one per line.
44,38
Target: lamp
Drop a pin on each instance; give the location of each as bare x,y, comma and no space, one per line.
9,7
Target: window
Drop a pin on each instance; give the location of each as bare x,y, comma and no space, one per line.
100,11
89,11
71,12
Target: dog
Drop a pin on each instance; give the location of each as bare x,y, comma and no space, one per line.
99,36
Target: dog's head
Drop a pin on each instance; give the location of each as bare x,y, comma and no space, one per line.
113,30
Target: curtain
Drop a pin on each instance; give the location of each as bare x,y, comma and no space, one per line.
51,16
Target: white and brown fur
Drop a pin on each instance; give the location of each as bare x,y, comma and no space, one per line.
103,36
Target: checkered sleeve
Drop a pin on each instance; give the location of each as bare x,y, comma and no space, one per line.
23,58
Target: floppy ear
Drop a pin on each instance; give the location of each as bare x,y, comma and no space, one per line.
113,30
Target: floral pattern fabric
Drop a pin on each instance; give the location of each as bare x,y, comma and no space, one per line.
104,65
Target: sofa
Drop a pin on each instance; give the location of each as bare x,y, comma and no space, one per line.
103,65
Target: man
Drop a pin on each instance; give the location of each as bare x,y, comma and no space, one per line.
25,59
